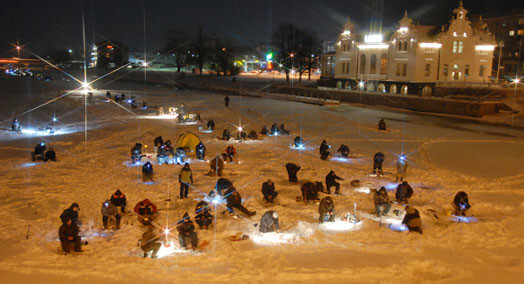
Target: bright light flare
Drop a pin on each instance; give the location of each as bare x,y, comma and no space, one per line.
485,47
430,45
340,225
55,119
240,128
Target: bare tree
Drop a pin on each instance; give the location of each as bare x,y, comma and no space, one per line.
177,43
284,39
200,48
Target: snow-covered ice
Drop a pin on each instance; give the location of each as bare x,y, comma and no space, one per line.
444,155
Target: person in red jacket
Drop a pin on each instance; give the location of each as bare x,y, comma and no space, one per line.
146,210
231,152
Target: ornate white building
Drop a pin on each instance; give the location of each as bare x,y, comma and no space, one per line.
414,59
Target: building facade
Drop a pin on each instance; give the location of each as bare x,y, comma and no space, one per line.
414,58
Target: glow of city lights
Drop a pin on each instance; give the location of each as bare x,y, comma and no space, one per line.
403,30
373,46
516,81
373,38
485,47
430,45
346,33
341,225
361,84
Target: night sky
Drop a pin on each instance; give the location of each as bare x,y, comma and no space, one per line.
42,25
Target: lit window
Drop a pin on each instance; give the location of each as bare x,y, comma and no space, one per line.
460,46
455,66
511,33
466,70
404,69
454,46
465,35
520,32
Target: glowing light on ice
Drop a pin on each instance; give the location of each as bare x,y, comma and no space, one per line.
27,165
391,186
340,225
463,219
42,132
363,189
274,238
341,159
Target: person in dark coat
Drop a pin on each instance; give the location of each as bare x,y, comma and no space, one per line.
310,191
226,135
185,177
222,185
210,125
269,222
150,242
331,180
200,150
159,141
170,148
179,155
203,216
136,153
282,130
381,201
264,131
226,101
268,190
117,99
39,153
252,135
123,97
162,154
108,95
234,200
146,211
69,238
298,142
404,192
326,208
292,171
343,151
50,155
378,159
71,213
119,200
217,165
382,124
412,220
186,229
15,125
461,203
147,172
109,210
324,147
274,129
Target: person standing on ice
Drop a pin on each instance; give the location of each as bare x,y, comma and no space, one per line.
109,210
226,101
324,147
203,216
15,125
326,210
231,152
292,171
39,152
264,130
331,180
234,200
404,192
71,213
382,125
69,238
402,167
186,229
269,192
185,178
150,242
343,151
412,220
461,203
381,201
226,135
147,172
378,159
200,150
119,200
269,222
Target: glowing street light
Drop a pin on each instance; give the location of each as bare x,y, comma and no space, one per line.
55,119
17,47
240,128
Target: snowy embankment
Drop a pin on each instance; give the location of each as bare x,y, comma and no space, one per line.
488,251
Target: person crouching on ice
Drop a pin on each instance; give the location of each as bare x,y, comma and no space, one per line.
186,229
326,209
203,216
39,152
269,222
298,142
147,172
412,220
461,203
234,200
381,200
269,192
150,242
324,147
146,211
69,238
109,211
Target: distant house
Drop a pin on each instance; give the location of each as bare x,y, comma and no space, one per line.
111,54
